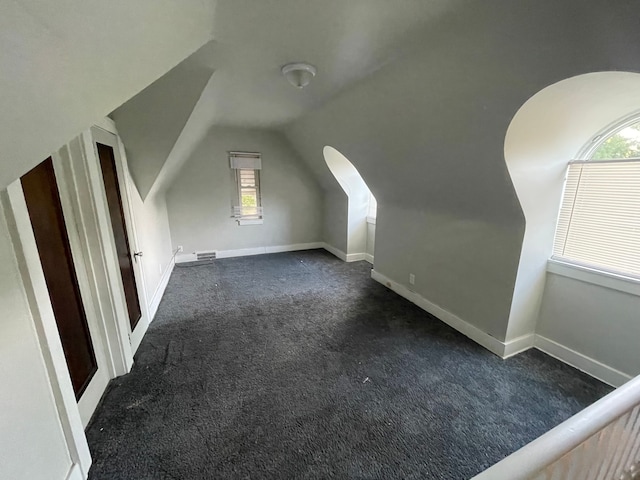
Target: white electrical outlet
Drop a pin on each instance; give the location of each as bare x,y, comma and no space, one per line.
412,279
180,249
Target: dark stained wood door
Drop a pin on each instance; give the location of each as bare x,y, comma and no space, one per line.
45,211
114,200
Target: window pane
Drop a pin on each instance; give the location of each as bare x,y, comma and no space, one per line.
249,197
249,192
624,144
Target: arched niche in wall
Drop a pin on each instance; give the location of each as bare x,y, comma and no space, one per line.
552,128
361,204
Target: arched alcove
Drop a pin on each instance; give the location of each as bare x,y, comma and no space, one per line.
547,132
360,232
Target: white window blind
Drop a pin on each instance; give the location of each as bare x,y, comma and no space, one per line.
245,160
249,189
599,221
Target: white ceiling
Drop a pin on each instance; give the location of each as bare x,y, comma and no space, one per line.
345,40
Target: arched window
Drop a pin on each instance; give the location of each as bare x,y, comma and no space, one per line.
599,221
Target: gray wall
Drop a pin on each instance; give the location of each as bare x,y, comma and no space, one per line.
598,322
459,264
199,201
427,134
154,238
336,218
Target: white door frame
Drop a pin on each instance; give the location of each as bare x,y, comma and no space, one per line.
88,292
105,132
46,327
88,224
73,167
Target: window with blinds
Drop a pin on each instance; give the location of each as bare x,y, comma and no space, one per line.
247,166
249,192
599,221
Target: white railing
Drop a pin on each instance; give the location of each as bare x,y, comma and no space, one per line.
602,442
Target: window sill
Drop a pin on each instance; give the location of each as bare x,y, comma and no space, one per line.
371,220
594,276
250,221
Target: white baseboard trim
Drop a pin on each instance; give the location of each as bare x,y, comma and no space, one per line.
295,247
350,257
588,365
355,257
369,258
243,252
75,473
518,345
487,341
157,295
335,251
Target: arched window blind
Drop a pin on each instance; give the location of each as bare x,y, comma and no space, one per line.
599,221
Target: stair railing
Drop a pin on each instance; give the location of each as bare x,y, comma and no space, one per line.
602,442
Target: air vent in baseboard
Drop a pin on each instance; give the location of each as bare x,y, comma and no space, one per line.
204,256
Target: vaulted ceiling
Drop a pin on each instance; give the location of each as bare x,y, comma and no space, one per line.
71,64
346,41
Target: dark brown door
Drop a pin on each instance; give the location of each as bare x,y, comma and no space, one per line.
110,176
45,211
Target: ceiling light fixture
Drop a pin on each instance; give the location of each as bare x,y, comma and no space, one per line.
299,74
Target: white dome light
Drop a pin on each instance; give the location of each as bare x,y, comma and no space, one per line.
299,74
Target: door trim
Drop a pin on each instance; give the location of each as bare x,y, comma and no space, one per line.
77,230
84,192
72,161
107,134
44,321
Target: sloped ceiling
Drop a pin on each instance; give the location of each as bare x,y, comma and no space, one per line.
66,64
428,130
417,94
151,122
345,40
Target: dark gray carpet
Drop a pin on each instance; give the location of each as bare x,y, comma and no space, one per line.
298,365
